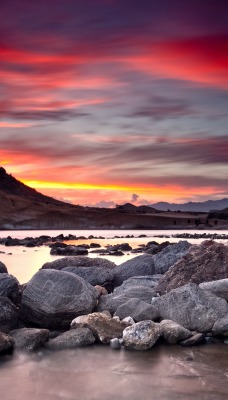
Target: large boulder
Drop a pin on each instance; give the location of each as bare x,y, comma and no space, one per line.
137,266
6,343
170,255
52,299
191,307
72,339
147,280
3,268
93,275
76,261
29,339
137,309
9,315
112,301
219,288
203,263
104,327
141,336
9,287
173,332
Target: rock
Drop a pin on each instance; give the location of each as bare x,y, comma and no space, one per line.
148,281
203,263
137,309
3,268
191,307
29,339
115,344
141,336
128,320
72,339
220,327
170,255
52,299
6,343
112,301
103,327
93,275
9,315
173,332
195,339
137,266
78,262
69,251
219,288
94,245
9,287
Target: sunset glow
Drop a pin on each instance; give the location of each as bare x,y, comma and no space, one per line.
104,100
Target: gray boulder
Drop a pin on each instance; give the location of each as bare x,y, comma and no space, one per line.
170,255
93,275
9,315
219,287
191,307
141,336
9,287
6,343
52,299
29,339
78,262
112,301
137,266
220,327
103,327
72,339
173,332
137,309
148,281
3,268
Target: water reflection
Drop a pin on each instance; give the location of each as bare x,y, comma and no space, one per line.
164,373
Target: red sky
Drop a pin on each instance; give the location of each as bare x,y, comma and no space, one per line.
104,102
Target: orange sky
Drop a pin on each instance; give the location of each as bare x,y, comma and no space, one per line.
115,102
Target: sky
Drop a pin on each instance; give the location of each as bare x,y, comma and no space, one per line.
104,102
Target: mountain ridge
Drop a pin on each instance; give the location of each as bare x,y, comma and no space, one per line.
205,206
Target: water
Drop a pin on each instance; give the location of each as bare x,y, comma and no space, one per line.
23,262
97,372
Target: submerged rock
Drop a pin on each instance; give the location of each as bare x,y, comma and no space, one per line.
141,336
191,307
52,299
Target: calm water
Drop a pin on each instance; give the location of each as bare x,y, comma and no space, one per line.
23,262
97,372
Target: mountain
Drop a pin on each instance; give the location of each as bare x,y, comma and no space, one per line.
24,208
205,206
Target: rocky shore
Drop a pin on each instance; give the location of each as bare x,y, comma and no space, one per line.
173,293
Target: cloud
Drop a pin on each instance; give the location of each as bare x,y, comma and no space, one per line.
134,197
